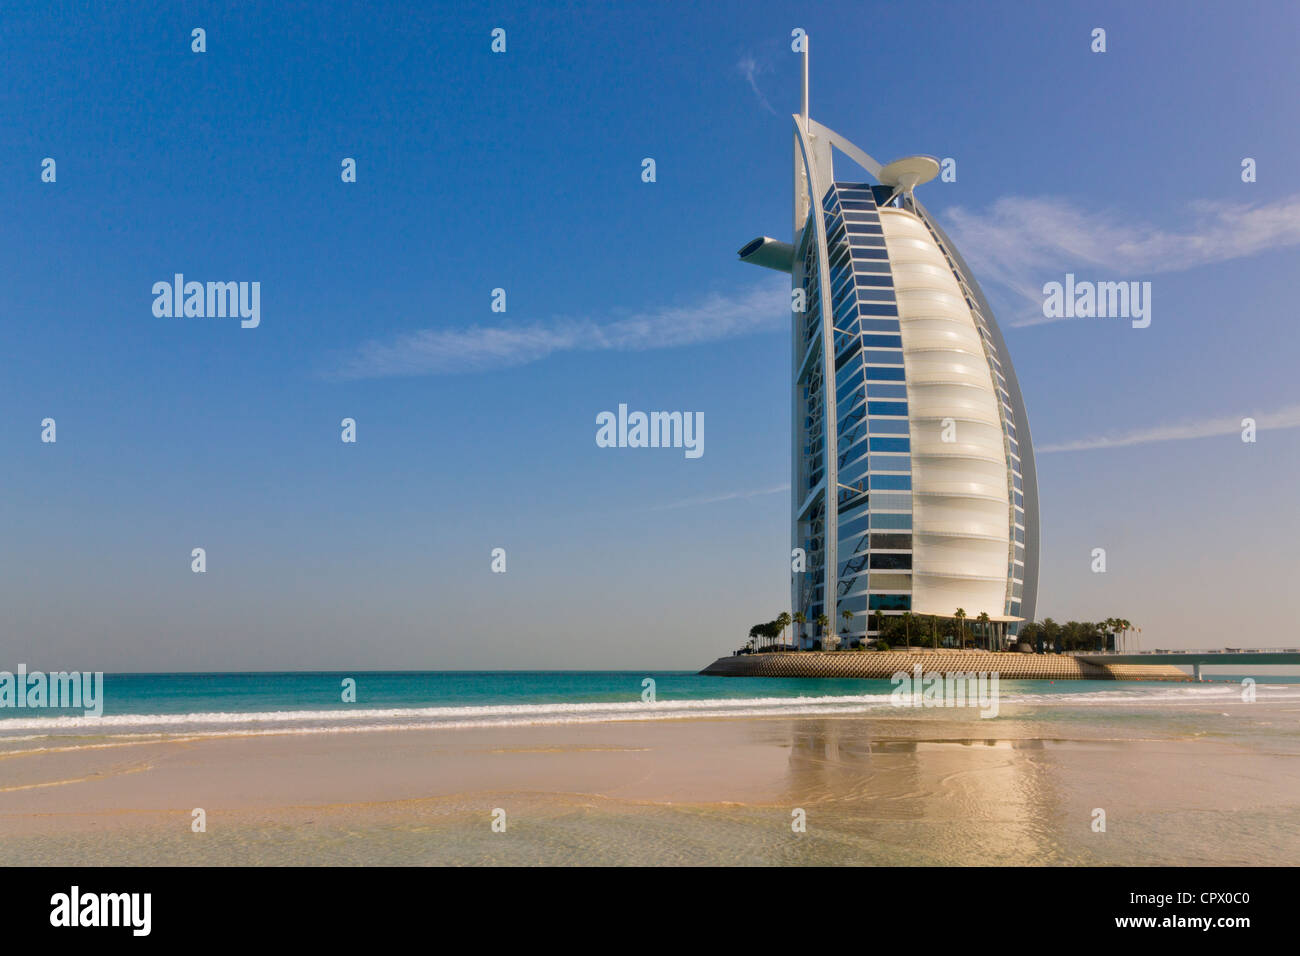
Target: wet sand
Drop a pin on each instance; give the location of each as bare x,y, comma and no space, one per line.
1208,788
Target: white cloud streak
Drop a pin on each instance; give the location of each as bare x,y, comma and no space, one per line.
1288,417
729,496
750,68
1020,243
763,308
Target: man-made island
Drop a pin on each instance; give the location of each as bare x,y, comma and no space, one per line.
1008,665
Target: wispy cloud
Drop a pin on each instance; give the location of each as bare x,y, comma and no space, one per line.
750,68
729,496
762,308
1288,417
1019,243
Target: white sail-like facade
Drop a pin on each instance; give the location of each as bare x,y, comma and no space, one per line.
913,483
960,481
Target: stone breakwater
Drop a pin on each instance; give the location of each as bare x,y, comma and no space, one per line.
884,664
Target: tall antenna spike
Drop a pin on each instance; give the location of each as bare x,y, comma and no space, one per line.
805,80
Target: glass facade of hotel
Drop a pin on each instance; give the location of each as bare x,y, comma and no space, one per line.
959,383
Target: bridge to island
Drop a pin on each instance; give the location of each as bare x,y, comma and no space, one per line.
1196,659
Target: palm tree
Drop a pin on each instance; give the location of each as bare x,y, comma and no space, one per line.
984,620
782,622
848,616
934,631
1051,631
907,629
961,627
800,618
823,622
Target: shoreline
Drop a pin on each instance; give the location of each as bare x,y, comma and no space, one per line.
891,787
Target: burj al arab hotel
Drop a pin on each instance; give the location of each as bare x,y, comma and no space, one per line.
913,481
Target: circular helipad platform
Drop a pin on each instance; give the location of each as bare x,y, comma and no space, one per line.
909,172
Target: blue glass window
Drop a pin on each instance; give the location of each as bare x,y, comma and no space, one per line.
887,408
888,391
892,522
883,341
901,463
888,426
891,501
868,309
851,474
884,374
885,358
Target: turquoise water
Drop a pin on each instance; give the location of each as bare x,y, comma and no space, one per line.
306,702
322,690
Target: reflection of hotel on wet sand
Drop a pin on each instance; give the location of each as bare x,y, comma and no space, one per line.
846,776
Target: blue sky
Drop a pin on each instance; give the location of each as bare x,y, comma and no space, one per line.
522,171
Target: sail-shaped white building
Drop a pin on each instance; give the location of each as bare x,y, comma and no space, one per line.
913,482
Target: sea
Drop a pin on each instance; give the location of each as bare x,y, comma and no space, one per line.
320,702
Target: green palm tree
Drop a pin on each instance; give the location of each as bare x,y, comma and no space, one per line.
961,627
984,620
1051,631
848,616
934,631
907,629
800,618
783,621
823,622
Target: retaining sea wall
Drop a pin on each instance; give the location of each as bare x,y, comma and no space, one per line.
884,664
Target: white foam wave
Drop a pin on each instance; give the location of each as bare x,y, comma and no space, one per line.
464,715
222,723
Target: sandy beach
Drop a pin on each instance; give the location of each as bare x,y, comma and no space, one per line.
1218,786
